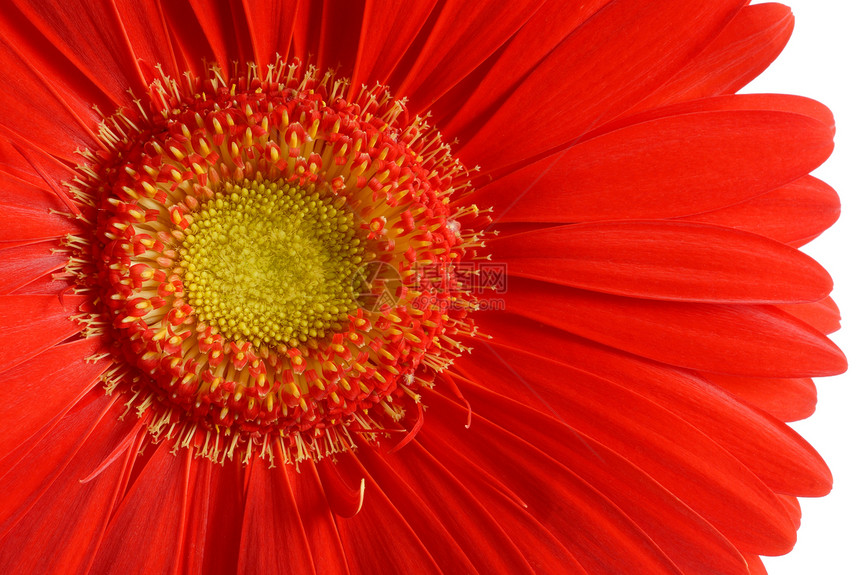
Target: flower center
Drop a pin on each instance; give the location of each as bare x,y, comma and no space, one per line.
275,267
271,263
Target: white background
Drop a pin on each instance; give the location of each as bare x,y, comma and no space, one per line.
821,61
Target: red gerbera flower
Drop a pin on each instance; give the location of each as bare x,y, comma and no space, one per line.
330,344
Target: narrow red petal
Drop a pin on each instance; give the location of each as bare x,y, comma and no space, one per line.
822,315
742,51
270,24
442,529
37,108
531,532
793,214
692,543
24,166
602,538
44,285
463,36
23,264
363,538
273,537
593,76
543,32
756,567
491,549
89,34
35,465
770,449
318,521
792,506
655,169
34,323
146,32
306,30
144,534
340,34
345,495
784,103
67,516
665,260
685,461
215,510
785,399
225,28
191,45
738,339
378,54
38,392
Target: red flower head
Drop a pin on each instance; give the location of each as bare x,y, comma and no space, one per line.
263,312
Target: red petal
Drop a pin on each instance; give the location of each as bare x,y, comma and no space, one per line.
273,537
739,53
44,285
144,535
23,264
190,44
527,529
785,399
32,324
822,315
602,538
792,506
756,567
339,35
692,543
306,30
39,108
23,224
668,167
739,339
730,103
37,462
544,31
363,539
684,460
344,499
665,260
769,448
225,28
492,550
89,34
443,529
463,36
617,57
793,214
67,516
23,167
270,24
147,33
215,509
37,393
323,538
377,53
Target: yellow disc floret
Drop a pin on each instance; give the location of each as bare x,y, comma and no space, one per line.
271,263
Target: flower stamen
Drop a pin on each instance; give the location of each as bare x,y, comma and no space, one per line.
275,265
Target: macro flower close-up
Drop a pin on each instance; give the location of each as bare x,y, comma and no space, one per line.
383,287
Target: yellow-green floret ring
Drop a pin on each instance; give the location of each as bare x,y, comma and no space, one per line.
271,263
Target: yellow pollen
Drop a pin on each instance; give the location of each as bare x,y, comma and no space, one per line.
271,263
